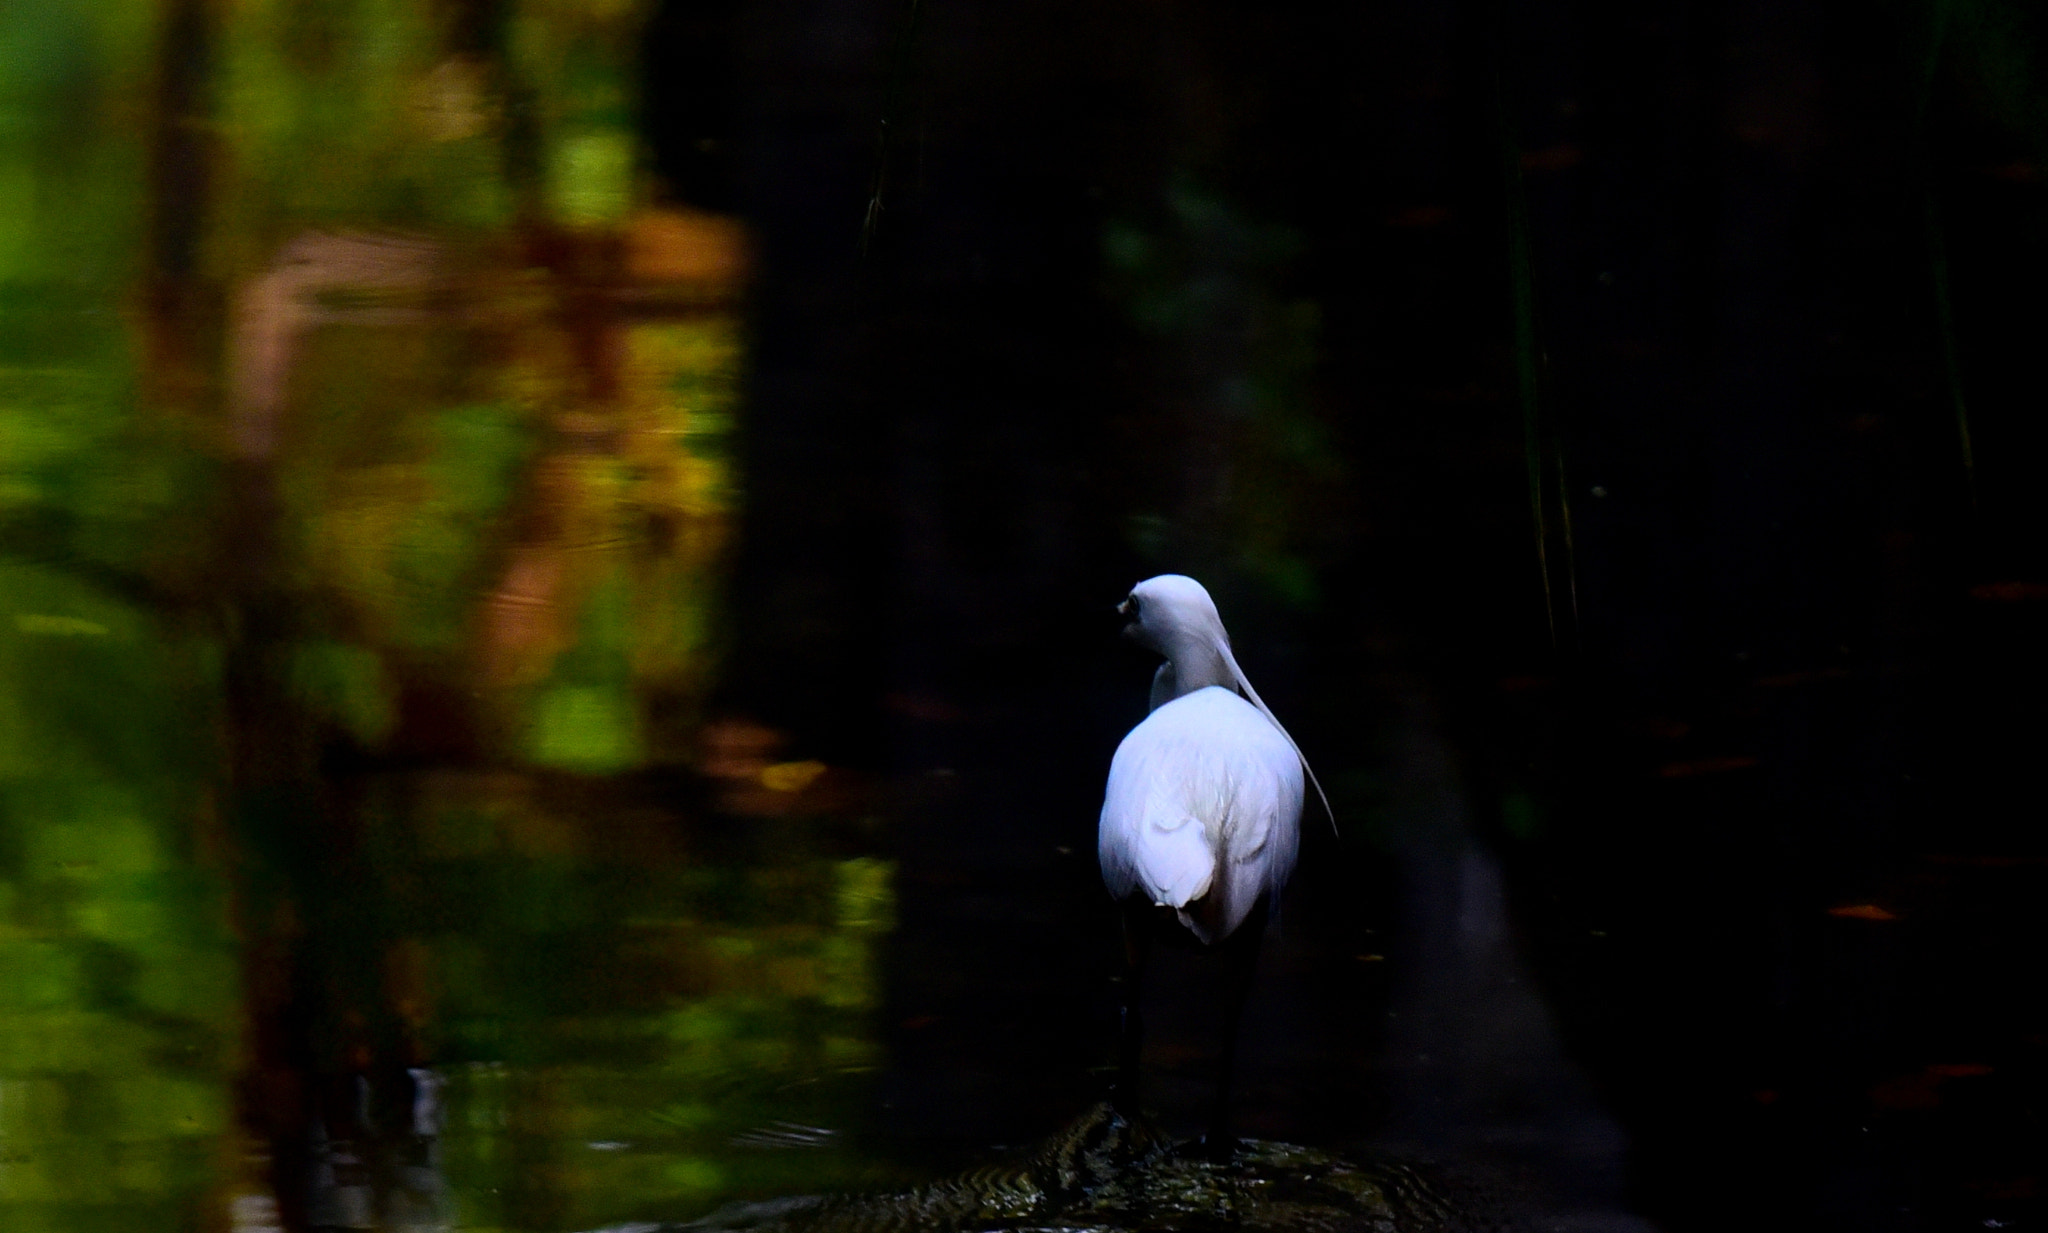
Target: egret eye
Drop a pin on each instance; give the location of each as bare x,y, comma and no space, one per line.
1135,606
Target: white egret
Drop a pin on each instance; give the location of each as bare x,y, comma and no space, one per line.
1202,815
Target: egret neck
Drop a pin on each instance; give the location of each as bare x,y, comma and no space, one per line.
1192,662
1174,616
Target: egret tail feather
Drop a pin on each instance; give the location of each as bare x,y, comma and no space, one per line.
1252,695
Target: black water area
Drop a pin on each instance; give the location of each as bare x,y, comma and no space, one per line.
557,650
1633,558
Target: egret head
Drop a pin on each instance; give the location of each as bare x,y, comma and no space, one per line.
1169,612
1174,616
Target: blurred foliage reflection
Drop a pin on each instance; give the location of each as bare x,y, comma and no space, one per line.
363,495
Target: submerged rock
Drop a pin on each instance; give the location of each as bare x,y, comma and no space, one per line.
1105,1173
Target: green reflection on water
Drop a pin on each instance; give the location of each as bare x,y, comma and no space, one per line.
119,988
627,1032
626,1018
345,113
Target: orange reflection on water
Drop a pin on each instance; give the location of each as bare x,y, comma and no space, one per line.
504,481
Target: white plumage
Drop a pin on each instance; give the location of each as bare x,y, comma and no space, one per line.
1203,811
1203,808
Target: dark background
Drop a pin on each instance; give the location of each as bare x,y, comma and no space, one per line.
1632,412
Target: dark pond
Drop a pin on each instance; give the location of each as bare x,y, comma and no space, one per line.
556,651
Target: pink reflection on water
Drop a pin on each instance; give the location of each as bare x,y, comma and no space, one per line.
278,306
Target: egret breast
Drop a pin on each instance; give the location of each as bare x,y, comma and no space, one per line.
1204,800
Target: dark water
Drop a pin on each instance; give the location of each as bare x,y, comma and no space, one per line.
556,661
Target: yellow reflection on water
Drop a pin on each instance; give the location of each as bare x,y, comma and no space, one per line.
365,488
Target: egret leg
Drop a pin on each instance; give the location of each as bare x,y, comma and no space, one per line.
1239,954
1131,1034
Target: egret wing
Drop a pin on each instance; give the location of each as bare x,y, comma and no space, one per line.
1150,839
1204,799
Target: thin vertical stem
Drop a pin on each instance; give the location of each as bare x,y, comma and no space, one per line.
1571,553
892,115
1522,295
1937,247
1945,325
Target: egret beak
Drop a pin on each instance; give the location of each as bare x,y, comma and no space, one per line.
1133,629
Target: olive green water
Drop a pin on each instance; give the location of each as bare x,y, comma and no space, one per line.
606,1040
336,588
